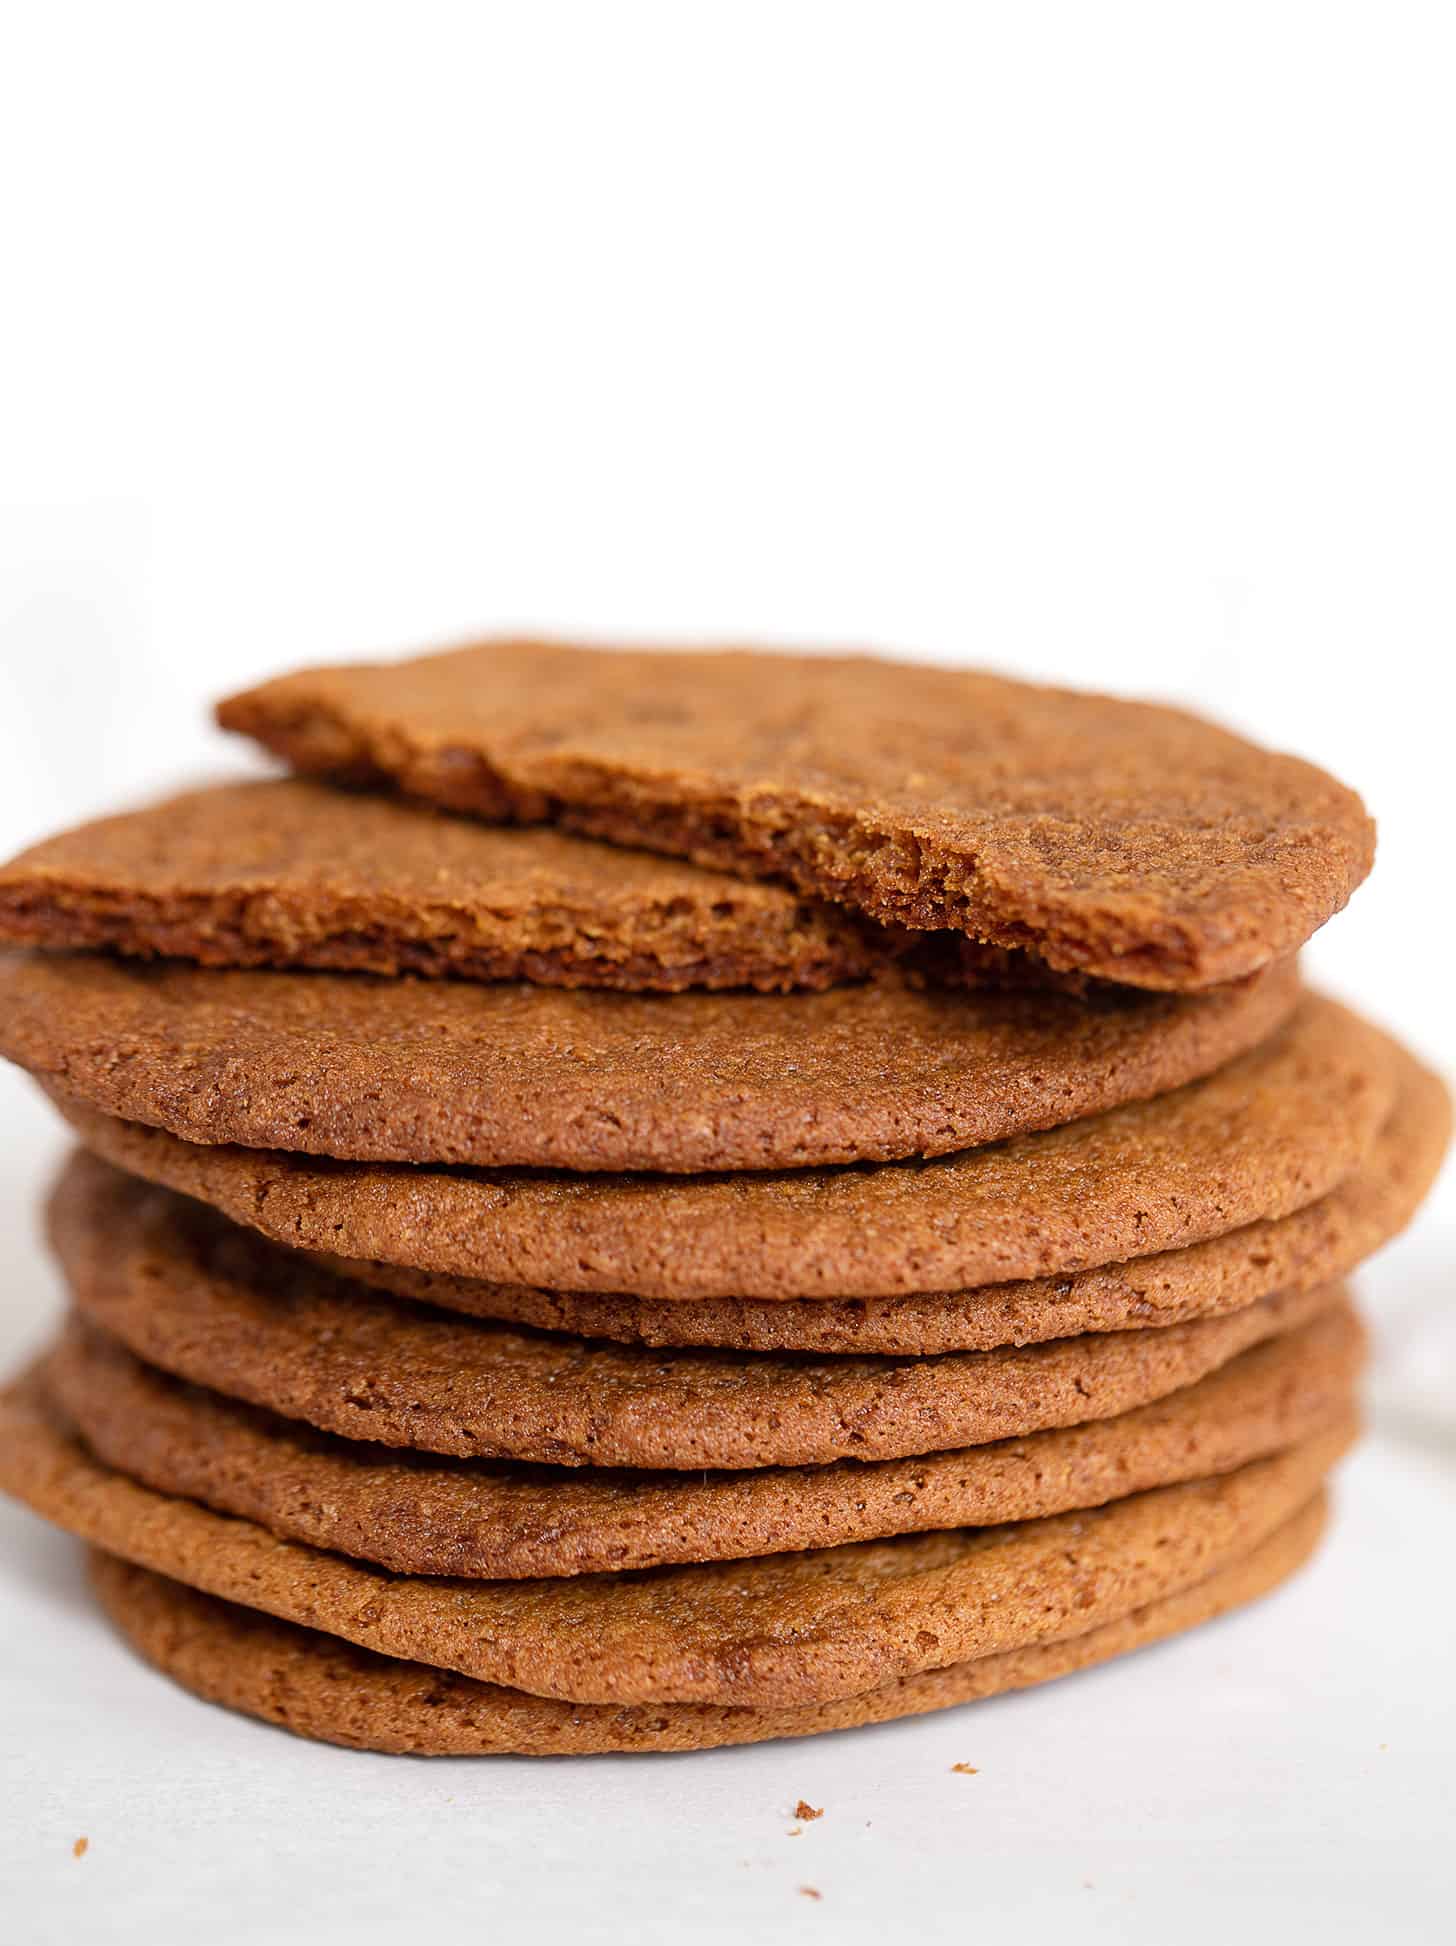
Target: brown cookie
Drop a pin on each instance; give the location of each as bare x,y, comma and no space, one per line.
289,873
1266,1135
777,1631
430,1516
1115,838
186,1290
444,1072
1316,1245
318,1686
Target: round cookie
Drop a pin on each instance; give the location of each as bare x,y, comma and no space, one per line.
1117,838
441,1072
430,1516
317,1686
1266,1135
284,872
776,1631
186,1290
1317,1244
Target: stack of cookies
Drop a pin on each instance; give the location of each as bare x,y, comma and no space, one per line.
639,1202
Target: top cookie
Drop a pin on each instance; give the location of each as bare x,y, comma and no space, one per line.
288,873
1125,840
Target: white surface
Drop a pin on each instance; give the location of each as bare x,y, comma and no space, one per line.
1103,343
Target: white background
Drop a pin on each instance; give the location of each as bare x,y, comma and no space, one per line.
1105,343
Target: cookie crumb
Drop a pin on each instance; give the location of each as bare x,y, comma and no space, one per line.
794,1831
810,1892
80,1848
965,1770
806,1811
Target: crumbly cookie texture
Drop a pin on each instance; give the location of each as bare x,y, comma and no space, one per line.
1120,839
286,872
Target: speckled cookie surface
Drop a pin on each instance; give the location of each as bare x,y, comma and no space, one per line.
779,1630
1319,1243
194,1294
290,873
318,1686
512,1074
479,1519
1118,838
1264,1136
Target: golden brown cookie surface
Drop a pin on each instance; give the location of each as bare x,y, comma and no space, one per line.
190,1292
447,1072
1115,838
288,873
776,1631
1323,1241
317,1686
1266,1135
422,1515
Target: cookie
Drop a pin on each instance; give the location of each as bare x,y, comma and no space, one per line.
288,873
777,1631
186,1290
1121,839
477,1519
1317,1244
1266,1135
443,1072
317,1686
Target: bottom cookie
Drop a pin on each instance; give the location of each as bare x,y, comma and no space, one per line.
773,1632
323,1688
